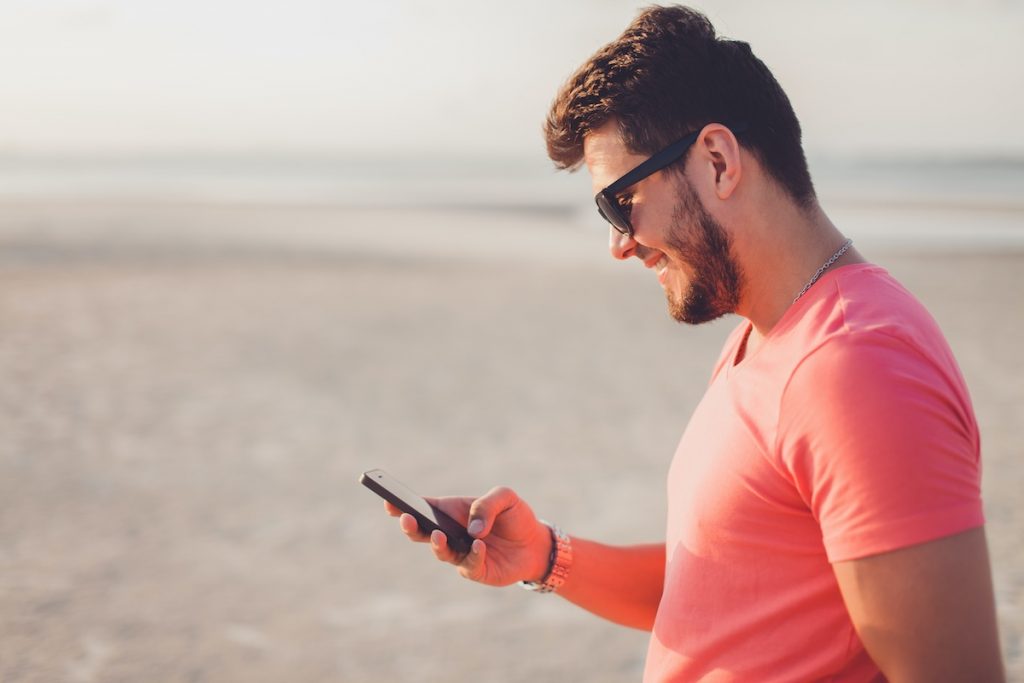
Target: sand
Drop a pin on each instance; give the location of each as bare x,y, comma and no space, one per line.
189,394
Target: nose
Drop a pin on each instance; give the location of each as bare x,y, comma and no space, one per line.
621,246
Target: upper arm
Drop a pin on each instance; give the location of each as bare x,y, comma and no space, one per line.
926,612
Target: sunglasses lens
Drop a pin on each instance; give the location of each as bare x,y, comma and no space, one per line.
609,210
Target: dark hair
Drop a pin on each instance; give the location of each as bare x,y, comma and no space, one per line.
669,74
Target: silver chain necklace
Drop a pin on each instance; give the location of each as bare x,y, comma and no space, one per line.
828,264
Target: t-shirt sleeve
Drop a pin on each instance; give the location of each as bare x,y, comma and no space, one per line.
882,445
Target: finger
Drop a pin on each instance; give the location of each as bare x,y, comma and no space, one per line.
456,507
411,528
474,566
486,509
439,544
392,510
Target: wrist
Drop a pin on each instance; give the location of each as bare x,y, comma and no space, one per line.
557,565
544,555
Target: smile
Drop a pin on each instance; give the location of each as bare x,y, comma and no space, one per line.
661,268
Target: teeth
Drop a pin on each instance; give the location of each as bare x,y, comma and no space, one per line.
662,264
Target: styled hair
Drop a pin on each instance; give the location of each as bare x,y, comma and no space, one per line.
667,75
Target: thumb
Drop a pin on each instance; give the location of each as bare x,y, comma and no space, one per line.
485,510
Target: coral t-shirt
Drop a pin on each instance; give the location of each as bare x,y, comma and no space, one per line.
847,432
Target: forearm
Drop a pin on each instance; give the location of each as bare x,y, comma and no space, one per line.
620,583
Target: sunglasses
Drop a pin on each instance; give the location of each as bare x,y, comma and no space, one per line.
607,200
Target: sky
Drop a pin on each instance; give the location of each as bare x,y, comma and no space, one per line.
474,78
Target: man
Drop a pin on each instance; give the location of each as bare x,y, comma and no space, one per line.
824,518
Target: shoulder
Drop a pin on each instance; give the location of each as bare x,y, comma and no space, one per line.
875,425
870,419
879,381
864,328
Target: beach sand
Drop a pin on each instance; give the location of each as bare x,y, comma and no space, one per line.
190,393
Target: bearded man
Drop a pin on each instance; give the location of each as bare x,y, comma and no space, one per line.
824,511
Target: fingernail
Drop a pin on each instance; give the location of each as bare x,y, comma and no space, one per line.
435,537
476,526
477,545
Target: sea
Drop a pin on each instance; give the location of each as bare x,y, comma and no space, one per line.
918,203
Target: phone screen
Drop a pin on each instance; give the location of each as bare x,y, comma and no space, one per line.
427,516
404,493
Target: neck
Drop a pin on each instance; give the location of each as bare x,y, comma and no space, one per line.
780,255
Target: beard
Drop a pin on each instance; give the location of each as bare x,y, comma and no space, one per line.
701,242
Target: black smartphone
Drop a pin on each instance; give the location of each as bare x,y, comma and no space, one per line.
427,516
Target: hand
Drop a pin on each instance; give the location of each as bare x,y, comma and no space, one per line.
511,544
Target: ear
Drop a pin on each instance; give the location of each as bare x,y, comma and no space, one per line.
720,158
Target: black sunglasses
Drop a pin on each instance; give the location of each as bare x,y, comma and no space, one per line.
607,201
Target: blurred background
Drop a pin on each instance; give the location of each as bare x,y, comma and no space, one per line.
249,250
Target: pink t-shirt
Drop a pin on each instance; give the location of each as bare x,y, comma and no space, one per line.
847,432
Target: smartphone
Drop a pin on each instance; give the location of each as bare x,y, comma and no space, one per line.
427,516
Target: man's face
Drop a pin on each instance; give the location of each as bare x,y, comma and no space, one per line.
674,234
